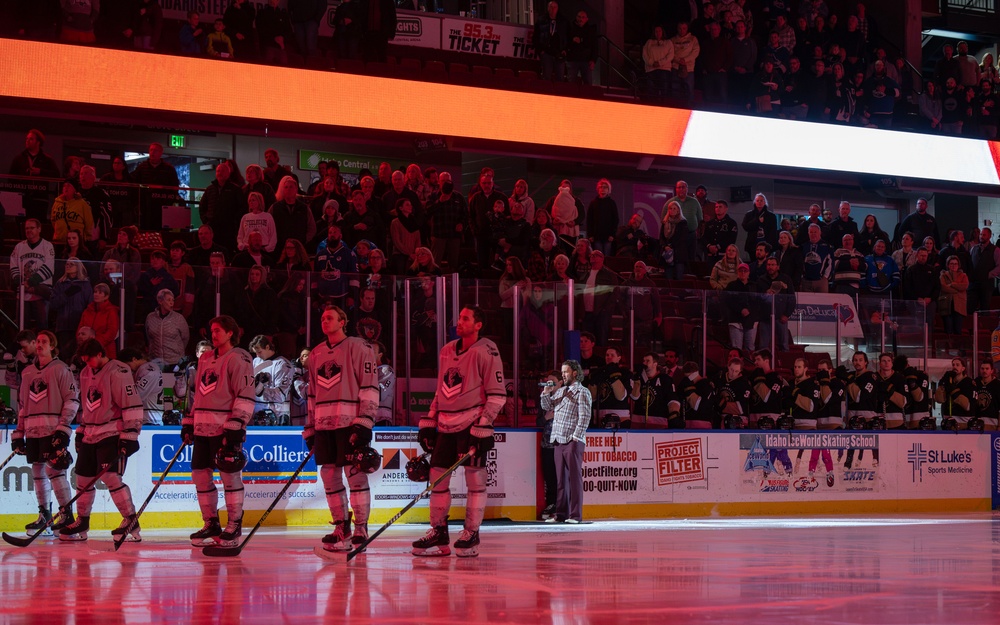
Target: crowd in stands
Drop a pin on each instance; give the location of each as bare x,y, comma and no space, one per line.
268,247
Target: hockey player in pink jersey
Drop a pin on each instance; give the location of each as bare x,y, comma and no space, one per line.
217,427
470,393
342,404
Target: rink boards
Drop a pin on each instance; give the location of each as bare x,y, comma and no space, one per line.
626,475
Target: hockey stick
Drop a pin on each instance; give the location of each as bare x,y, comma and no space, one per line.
119,541
218,551
9,458
354,552
24,542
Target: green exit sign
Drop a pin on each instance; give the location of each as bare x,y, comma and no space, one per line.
177,141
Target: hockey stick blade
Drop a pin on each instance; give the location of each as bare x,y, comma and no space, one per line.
219,551
18,541
330,556
427,491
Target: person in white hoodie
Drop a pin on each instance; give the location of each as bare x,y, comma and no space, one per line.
686,50
658,56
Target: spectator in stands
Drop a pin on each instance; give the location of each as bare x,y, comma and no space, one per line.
183,274
740,308
768,86
988,70
631,239
802,234
119,172
906,255
130,260
512,276
922,283
933,255
744,65
167,332
480,206
379,29
366,319
404,232
78,18
785,32
579,265
985,110
305,16
781,300
658,59
968,66
566,210
222,206
985,270
338,266
789,257
256,183
74,248
707,207
882,92
362,222
156,278
602,218
219,44
424,264
192,35
257,221
882,275
760,255
537,315
715,62
101,208
275,172
760,224
293,258
292,218
848,268
274,26
347,23
155,170
560,270
870,233
329,216
102,316
199,256
448,215
520,194
953,304
515,234
70,296
541,257
844,224
686,51
956,246
292,307
218,281
817,263
600,297
239,20
953,108
257,312
33,161
581,50
253,254
642,297
675,250
70,212
724,270
147,24
397,191
840,104
326,191
551,41
920,224
719,233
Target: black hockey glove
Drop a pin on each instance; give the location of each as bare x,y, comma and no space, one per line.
310,441
482,439
234,438
427,438
17,445
60,440
187,434
360,436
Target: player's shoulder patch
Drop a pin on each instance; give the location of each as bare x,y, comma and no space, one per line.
491,347
123,369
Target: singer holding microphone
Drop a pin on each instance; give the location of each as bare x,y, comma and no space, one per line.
571,403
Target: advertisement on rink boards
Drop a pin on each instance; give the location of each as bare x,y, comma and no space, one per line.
273,454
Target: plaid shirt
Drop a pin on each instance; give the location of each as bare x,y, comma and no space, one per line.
572,406
446,214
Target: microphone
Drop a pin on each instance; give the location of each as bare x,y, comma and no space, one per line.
546,384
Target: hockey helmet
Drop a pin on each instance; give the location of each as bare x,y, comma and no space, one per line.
366,460
264,417
928,423
60,460
230,460
857,423
949,423
877,423
734,422
611,422
418,469
976,425
765,423
786,423
172,417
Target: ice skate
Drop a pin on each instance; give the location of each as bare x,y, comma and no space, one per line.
360,535
204,537
75,531
40,523
230,536
434,543
133,535
467,545
61,520
340,539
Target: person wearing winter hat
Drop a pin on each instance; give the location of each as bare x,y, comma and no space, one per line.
71,212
